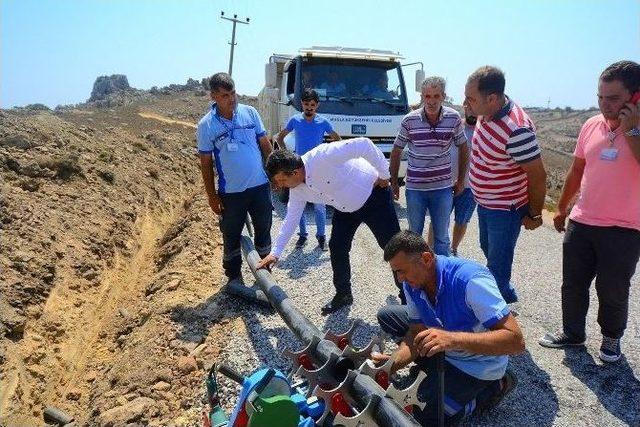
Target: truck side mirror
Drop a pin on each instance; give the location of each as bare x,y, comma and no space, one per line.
419,80
271,74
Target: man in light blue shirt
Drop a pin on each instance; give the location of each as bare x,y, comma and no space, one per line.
309,129
232,136
453,305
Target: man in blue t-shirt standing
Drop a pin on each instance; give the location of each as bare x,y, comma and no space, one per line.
309,128
232,136
453,305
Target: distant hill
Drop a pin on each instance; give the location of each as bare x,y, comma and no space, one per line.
557,132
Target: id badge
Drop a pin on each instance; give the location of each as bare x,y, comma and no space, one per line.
232,146
609,154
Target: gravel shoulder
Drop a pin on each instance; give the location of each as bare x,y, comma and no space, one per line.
556,387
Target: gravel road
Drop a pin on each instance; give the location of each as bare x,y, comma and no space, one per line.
556,387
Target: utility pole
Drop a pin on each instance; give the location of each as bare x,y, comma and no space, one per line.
548,103
235,21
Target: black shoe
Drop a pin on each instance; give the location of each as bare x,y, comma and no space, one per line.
559,340
322,243
507,384
610,349
235,281
302,240
338,301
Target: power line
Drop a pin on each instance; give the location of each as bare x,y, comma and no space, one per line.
233,43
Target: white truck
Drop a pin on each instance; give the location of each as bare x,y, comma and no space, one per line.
362,92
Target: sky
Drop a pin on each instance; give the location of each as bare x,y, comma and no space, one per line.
552,51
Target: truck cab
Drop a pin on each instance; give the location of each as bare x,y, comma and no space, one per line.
362,92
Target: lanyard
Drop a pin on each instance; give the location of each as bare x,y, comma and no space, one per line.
611,134
233,125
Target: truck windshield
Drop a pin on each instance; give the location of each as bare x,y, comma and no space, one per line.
355,87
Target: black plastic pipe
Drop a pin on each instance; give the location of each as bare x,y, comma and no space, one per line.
387,412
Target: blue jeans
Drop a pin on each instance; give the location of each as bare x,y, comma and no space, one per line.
321,218
463,207
499,231
439,204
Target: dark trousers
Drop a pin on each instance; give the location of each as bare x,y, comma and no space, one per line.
379,214
463,392
610,254
255,201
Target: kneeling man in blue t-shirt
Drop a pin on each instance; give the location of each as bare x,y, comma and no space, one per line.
453,305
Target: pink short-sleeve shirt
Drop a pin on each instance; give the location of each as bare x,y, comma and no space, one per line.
610,187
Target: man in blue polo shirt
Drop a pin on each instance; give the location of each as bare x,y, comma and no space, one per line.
453,305
232,136
309,129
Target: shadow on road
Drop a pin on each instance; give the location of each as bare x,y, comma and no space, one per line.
532,403
615,384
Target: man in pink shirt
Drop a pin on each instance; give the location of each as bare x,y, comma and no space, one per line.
602,239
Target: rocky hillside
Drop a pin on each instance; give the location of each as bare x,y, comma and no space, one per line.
109,261
557,132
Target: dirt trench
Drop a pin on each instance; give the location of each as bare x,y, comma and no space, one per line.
128,341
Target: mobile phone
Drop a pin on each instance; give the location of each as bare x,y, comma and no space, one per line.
634,100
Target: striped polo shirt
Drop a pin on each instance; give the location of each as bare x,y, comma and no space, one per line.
500,144
429,156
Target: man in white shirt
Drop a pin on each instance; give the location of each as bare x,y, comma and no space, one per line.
353,177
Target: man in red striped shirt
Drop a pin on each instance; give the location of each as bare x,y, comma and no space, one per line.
507,176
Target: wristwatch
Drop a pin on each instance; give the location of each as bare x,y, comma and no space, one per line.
633,132
534,217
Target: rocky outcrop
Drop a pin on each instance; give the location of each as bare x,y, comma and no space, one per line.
107,85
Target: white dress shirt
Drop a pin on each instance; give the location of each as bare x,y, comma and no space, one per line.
340,174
